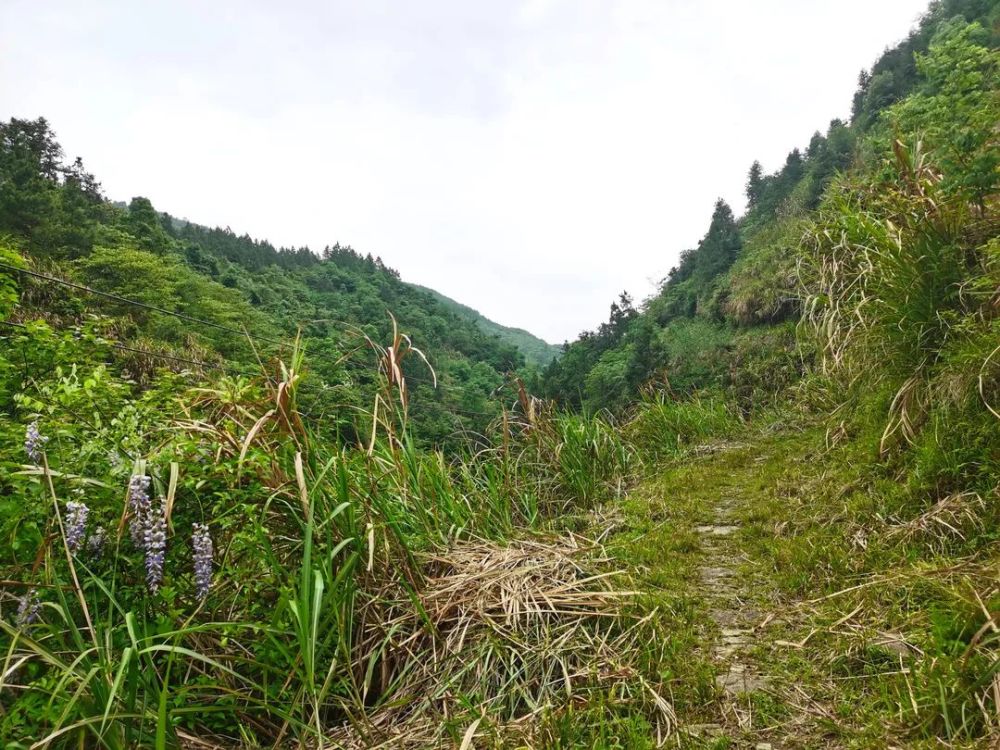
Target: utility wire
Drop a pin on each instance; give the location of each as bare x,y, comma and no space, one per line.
211,365
189,318
145,352
182,316
195,362
136,303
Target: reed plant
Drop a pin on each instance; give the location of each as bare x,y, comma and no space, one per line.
349,583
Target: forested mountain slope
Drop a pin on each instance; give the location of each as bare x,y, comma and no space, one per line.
535,350
54,216
724,315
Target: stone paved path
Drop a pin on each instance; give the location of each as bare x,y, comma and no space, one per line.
737,674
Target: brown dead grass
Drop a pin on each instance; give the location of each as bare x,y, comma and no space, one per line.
513,630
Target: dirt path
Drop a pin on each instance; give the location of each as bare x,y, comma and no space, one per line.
737,673
689,531
737,623
781,624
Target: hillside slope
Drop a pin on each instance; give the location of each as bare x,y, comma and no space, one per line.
724,317
55,221
535,350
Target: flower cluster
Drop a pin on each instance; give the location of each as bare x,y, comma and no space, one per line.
139,508
76,524
202,543
28,609
34,443
148,527
155,542
96,541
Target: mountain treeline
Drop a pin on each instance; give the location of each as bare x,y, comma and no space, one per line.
54,216
725,316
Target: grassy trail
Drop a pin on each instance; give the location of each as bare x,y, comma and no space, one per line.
679,534
736,647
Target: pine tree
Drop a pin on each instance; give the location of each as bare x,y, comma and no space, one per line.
755,181
720,246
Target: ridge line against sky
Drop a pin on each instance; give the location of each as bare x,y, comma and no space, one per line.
528,159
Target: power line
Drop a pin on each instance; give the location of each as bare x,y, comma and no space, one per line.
438,384
473,413
182,316
189,318
136,303
144,352
195,362
212,365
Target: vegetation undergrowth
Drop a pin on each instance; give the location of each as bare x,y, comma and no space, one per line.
226,575
883,609
264,556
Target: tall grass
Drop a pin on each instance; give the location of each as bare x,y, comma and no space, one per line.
903,279
660,426
588,455
323,612
903,286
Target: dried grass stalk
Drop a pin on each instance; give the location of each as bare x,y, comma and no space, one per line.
513,629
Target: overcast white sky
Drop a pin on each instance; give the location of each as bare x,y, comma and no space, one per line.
531,159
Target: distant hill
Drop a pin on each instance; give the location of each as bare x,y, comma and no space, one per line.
535,350
185,293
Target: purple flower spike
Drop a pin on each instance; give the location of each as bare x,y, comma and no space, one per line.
34,443
29,609
202,543
156,543
139,506
76,524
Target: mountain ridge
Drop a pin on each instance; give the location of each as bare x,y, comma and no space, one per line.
535,349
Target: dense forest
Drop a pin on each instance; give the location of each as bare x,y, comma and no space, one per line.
53,214
725,315
255,496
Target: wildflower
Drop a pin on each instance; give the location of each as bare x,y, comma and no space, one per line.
138,502
76,524
28,609
34,442
96,541
155,543
202,543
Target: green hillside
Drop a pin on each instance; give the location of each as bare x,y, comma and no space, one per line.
535,351
54,217
726,315
758,510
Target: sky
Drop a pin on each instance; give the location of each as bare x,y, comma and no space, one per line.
531,159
